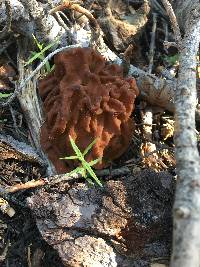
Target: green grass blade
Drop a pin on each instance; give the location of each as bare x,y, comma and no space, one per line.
76,149
48,67
89,181
89,147
83,172
91,172
48,47
47,64
86,167
71,157
93,162
53,67
40,46
37,55
41,57
4,95
77,170
33,53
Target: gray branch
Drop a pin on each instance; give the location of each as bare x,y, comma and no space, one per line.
186,242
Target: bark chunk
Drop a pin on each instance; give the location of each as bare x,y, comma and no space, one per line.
128,220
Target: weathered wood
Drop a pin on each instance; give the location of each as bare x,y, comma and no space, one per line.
184,9
121,224
186,243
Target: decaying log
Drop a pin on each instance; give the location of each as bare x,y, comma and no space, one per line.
127,220
55,179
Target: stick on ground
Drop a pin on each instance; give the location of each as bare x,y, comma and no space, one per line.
186,242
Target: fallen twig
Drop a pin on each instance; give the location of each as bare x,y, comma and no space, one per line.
78,8
126,59
28,185
173,21
61,178
152,44
147,116
186,245
167,44
158,8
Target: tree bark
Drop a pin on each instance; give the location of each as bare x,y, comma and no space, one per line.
183,10
30,17
186,242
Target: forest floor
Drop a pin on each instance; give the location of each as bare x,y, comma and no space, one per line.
142,193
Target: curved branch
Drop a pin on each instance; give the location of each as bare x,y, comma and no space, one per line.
173,20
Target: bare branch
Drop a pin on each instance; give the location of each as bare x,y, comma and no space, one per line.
152,44
186,243
173,21
60,178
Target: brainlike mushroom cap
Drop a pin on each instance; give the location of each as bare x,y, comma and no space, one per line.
86,98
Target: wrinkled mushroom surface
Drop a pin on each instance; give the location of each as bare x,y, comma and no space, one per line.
87,98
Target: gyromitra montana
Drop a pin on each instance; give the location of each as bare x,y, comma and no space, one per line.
87,98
